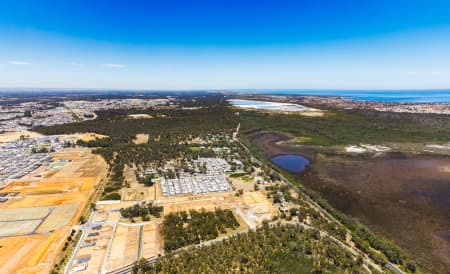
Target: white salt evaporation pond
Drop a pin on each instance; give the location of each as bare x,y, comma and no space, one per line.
267,105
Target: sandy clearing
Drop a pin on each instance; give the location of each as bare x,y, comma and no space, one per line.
240,184
18,214
140,116
209,204
18,228
15,135
124,246
136,194
151,240
141,139
12,262
444,169
131,249
362,148
312,113
130,176
59,217
68,192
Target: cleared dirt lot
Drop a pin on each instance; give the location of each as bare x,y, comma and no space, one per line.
197,202
23,248
23,214
60,216
152,243
18,228
124,249
96,253
136,194
44,211
132,241
14,136
253,204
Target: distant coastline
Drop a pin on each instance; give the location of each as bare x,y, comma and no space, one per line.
393,96
387,96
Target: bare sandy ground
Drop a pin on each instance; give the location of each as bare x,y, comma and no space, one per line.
124,247
141,139
152,243
15,135
66,192
140,116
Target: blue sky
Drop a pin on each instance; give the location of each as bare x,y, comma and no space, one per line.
225,44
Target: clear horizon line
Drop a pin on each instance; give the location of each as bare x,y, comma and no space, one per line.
220,89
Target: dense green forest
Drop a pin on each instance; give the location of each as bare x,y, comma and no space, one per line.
143,211
185,228
278,249
170,132
175,124
340,127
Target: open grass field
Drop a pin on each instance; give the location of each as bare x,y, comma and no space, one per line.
45,210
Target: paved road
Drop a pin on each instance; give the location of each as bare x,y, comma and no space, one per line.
127,269
84,230
393,268
139,252
108,249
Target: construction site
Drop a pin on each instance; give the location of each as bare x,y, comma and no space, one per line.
41,210
43,206
111,242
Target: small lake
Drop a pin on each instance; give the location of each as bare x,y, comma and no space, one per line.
291,162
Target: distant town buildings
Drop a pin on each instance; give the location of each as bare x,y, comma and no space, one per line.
25,115
346,103
20,158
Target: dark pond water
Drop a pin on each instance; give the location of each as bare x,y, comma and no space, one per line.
291,162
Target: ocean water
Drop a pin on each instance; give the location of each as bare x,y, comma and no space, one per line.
409,96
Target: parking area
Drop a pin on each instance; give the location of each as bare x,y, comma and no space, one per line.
195,184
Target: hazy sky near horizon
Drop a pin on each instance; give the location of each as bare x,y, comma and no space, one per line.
225,44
